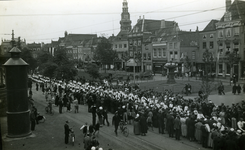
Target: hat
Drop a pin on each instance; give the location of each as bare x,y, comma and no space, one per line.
231,129
93,148
238,131
100,148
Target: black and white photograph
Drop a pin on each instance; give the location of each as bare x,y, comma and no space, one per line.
122,74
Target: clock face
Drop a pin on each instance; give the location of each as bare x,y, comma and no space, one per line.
125,16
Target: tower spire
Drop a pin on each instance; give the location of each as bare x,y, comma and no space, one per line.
125,18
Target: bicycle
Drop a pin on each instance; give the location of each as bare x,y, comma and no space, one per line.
49,109
123,128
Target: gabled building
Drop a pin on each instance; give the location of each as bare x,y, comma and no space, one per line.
208,41
159,45
230,32
186,46
139,37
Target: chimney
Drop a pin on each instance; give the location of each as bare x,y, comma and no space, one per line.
227,4
66,33
163,24
142,30
139,19
197,29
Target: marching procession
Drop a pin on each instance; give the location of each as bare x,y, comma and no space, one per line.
213,126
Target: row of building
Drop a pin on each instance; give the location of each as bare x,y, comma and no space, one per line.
150,44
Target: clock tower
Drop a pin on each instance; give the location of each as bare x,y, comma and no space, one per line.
125,18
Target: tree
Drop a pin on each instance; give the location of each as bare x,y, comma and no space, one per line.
42,58
26,55
188,66
104,53
49,69
207,85
232,58
93,70
66,67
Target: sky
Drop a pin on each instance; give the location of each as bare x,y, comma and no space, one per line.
47,20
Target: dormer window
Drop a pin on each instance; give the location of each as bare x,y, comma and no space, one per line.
204,36
211,36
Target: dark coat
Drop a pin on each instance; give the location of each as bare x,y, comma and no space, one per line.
177,123
67,129
143,124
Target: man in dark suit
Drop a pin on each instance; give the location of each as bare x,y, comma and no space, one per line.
177,127
67,131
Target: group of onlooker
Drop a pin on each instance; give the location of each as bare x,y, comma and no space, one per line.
219,127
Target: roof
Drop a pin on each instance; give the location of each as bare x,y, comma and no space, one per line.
148,25
211,25
237,10
76,39
188,38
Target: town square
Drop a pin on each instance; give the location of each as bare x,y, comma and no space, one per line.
147,82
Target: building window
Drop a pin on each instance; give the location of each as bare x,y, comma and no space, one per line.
170,45
211,45
155,52
228,32
204,37
120,45
144,56
171,54
159,52
149,56
175,45
204,45
164,54
139,42
211,36
125,45
193,55
135,43
175,55
115,45
236,31
220,35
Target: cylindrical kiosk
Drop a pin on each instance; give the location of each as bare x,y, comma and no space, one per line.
18,119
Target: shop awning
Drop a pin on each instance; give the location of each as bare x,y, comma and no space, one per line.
131,62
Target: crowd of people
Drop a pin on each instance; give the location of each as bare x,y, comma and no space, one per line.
217,127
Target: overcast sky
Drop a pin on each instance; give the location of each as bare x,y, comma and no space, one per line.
46,20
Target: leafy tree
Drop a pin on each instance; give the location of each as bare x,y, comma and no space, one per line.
49,69
26,55
93,70
231,59
104,53
207,85
66,68
188,65
61,57
43,57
